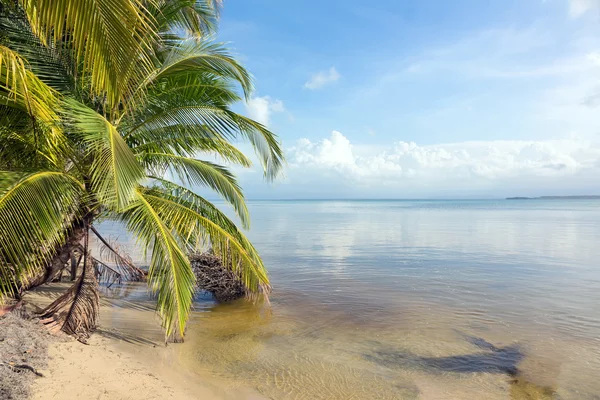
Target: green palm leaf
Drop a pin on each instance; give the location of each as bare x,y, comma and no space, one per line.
170,275
191,119
204,57
196,18
111,37
36,211
191,145
51,65
114,171
24,90
194,221
200,172
197,203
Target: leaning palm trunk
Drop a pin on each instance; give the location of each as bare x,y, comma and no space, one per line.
61,257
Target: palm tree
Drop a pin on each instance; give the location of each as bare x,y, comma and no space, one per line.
106,109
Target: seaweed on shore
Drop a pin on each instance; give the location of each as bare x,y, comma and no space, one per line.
23,351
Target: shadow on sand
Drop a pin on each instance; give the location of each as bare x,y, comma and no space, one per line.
125,337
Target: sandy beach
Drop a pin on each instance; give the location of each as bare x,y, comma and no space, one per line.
125,359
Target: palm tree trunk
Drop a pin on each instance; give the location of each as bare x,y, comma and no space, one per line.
62,255
74,264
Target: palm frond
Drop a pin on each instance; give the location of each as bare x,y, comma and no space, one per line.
200,172
207,58
36,210
213,121
76,311
185,144
24,90
115,172
112,252
52,65
197,203
193,223
196,18
170,275
265,143
112,38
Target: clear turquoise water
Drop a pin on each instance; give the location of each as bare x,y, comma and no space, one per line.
414,299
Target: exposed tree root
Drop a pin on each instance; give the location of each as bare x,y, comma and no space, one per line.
17,367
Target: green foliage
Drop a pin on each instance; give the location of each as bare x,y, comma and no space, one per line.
100,99
35,210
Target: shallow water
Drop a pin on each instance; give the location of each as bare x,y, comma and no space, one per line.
414,299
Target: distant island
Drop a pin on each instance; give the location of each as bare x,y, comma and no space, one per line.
588,197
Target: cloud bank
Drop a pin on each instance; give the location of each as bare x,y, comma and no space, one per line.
336,168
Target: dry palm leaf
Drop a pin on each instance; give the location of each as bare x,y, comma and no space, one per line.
76,311
105,274
123,264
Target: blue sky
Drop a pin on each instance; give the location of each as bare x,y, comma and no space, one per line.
424,98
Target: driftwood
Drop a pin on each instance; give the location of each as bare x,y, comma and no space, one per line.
211,276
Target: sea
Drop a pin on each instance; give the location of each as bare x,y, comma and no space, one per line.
411,299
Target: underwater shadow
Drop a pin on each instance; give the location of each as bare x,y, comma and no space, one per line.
495,360
501,361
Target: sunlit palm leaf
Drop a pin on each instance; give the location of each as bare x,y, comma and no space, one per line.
115,172
52,65
196,18
189,119
24,90
200,172
198,203
265,143
111,37
204,57
192,145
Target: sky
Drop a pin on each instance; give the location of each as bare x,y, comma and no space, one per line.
423,98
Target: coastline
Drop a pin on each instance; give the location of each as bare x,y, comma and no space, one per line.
125,358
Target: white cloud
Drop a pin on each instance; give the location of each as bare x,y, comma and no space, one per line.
457,167
577,8
261,108
322,78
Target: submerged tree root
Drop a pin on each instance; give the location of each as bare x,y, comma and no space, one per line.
213,277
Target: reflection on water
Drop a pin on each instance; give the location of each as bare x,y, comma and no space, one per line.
401,300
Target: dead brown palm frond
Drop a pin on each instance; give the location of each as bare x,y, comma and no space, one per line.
112,251
76,311
105,274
